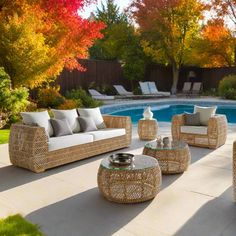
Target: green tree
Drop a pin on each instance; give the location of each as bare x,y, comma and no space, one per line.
168,28
12,101
121,42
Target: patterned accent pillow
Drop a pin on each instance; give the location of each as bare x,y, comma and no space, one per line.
95,114
87,124
61,127
192,119
71,117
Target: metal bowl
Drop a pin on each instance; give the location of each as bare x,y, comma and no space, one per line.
121,159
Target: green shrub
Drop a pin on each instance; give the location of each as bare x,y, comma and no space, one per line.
17,225
50,97
81,95
12,101
227,87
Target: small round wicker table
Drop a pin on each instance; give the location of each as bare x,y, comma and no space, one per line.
138,182
173,159
147,129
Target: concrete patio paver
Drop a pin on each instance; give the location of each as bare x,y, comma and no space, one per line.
66,200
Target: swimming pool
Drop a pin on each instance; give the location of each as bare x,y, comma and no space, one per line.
163,112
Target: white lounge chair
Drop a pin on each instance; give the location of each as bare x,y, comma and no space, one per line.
187,88
122,91
144,88
96,95
196,89
153,90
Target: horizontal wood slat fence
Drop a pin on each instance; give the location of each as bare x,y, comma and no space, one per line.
108,73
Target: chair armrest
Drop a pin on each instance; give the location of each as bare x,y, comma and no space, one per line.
176,123
119,122
28,146
217,125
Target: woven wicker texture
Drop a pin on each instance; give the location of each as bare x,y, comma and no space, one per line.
129,186
28,147
147,129
234,170
216,132
171,161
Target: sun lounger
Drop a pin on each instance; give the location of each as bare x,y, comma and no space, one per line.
153,90
122,91
96,95
196,89
187,88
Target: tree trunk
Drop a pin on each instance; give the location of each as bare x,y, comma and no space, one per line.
175,71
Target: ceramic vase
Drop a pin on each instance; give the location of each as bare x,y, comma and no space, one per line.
147,114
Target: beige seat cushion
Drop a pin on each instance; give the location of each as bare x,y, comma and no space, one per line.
106,133
194,130
56,143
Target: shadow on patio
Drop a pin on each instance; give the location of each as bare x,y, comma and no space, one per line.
216,218
87,213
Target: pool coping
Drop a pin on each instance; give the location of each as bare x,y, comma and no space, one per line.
126,105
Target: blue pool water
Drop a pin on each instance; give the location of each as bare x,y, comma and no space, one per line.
164,113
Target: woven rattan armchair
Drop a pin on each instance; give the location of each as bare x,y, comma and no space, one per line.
28,146
215,137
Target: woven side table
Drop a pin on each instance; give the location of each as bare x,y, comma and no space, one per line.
147,129
172,160
135,183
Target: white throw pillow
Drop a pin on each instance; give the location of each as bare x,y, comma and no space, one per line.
71,116
95,114
205,113
42,119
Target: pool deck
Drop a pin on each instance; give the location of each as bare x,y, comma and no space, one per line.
65,201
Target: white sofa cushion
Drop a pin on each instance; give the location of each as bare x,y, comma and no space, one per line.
56,143
106,133
41,118
95,113
205,113
194,130
71,116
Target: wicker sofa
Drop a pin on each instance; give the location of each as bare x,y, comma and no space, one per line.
234,170
29,145
211,136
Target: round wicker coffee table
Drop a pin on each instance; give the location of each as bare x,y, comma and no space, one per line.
147,129
173,159
138,182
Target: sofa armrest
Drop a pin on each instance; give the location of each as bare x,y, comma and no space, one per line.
234,170
119,122
28,146
176,123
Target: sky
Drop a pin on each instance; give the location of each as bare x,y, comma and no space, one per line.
121,3
125,3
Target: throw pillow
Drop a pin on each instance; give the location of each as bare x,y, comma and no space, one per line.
71,117
205,113
41,119
192,119
95,114
87,124
60,127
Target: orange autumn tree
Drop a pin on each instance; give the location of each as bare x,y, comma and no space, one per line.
168,28
38,38
225,8
215,47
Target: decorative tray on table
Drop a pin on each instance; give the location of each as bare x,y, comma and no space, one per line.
121,159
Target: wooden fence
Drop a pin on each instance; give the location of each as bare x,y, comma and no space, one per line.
108,73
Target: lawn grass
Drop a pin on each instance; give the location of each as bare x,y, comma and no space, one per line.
16,225
4,136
